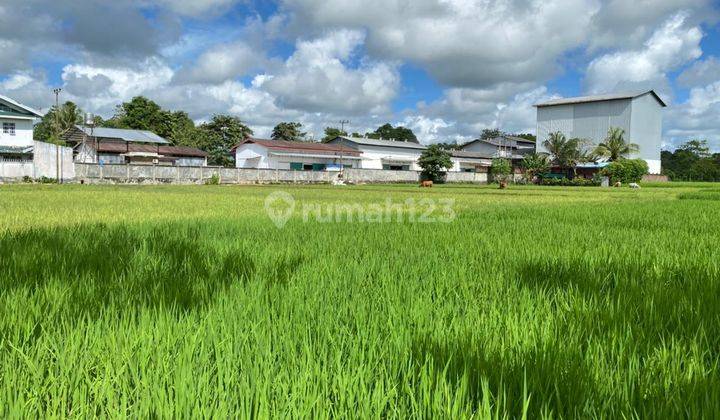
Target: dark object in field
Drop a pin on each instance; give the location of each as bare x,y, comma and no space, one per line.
503,185
427,184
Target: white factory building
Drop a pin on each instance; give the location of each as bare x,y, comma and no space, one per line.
590,117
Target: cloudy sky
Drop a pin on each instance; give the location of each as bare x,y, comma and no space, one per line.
445,68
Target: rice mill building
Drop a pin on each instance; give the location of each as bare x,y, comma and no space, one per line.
590,117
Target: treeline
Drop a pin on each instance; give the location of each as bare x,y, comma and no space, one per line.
216,136
691,162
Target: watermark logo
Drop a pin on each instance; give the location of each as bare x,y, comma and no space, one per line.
280,206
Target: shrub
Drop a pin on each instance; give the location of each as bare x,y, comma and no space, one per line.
213,180
575,182
46,180
626,170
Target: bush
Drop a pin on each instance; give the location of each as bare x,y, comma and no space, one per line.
626,170
575,182
46,180
213,180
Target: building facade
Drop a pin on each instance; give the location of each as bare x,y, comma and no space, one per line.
121,146
383,154
590,117
294,155
16,130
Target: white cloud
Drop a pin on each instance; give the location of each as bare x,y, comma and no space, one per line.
701,73
670,46
696,118
462,43
318,77
223,62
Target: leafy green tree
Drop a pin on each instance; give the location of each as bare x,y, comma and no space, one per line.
535,164
289,131
500,169
435,161
332,133
526,136
219,135
615,146
690,161
63,119
388,132
698,148
142,113
490,133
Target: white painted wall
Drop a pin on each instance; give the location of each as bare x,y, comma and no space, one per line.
646,130
373,156
245,157
23,132
641,118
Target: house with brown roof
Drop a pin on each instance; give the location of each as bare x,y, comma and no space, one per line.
120,146
294,155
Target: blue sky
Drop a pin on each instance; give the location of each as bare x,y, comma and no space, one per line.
445,68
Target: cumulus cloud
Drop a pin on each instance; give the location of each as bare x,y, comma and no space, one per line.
318,77
462,43
671,46
701,73
696,118
223,62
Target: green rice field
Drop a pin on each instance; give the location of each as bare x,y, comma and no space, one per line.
190,302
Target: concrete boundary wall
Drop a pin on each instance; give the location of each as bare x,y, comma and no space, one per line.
153,174
44,163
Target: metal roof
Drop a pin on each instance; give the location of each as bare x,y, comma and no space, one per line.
599,98
469,155
117,147
302,147
504,141
16,150
132,136
21,106
382,143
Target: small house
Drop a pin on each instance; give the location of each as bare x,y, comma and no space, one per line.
294,155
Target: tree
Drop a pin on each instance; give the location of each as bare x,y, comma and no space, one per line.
434,162
332,133
698,148
289,131
526,136
219,135
615,146
567,154
535,164
490,133
388,132
143,114
690,161
68,115
500,169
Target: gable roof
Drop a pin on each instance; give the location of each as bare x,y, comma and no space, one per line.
599,98
23,108
382,143
502,141
178,151
301,147
132,136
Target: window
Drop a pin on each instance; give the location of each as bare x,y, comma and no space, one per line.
9,128
390,167
296,166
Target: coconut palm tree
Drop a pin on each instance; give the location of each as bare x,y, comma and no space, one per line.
567,153
615,146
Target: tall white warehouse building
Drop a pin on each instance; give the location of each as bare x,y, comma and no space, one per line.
590,117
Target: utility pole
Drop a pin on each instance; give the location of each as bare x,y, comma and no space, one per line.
342,124
57,91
